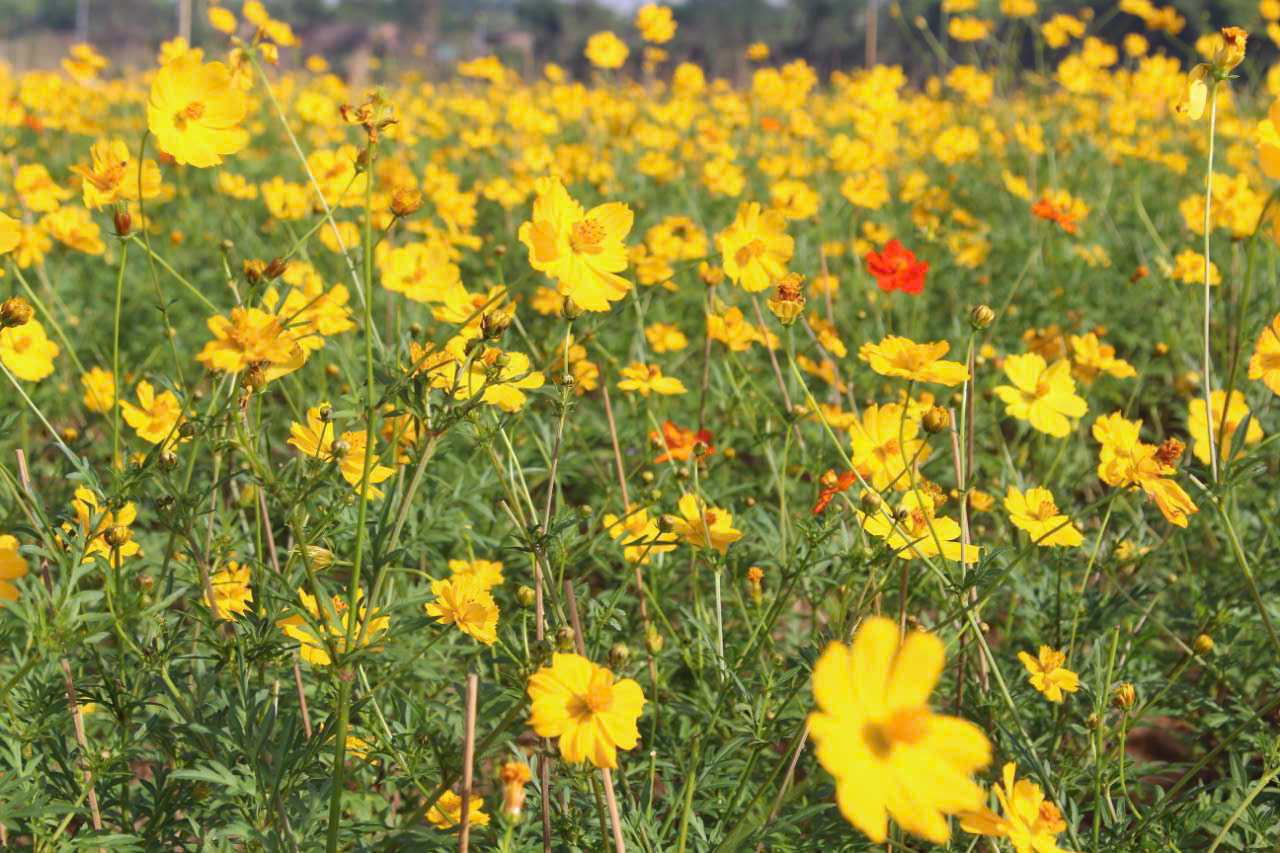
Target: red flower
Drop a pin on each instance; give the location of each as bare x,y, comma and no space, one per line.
832,485
1050,212
679,443
897,268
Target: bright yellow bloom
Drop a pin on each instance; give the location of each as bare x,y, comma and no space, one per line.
112,175
874,731
703,526
580,703
1124,461
499,378
1044,396
12,566
329,625
74,227
446,813
317,438
87,508
647,378
606,50
10,233
232,594
156,417
487,573
665,337
1188,268
251,337
1265,362
1030,822
39,192
582,251
422,271
640,536
463,600
969,29
221,19
1091,357
1048,675
195,111
1223,430
1036,512
755,248
916,530
84,63
886,445
99,390
906,359
27,351
656,23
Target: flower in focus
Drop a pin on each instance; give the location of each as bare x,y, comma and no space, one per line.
487,573
112,176
232,594
1224,429
12,567
446,812
916,530
895,267
890,754
1036,512
755,247
582,251
156,417
251,337
328,625
462,600
703,526
1042,395
580,703
106,532
906,359
1030,822
885,445
317,438
1125,461
195,111
1048,675
787,302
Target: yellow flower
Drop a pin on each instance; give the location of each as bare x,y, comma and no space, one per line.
645,378
446,812
251,337
74,227
969,29
87,508
38,190
1265,362
156,417
1043,396
1036,512
1030,822
1223,430
422,271
487,573
916,530
1188,268
582,251
99,390
665,337
640,535
195,111
27,351
885,445
906,359
890,754
317,438
703,526
499,378
1124,461
232,594
580,703
1091,357
464,601
606,50
221,19
329,625
10,233
84,63
12,566
112,175
1048,675
755,248
655,23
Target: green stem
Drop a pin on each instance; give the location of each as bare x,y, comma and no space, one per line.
115,358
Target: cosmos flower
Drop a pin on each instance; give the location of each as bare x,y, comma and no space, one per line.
895,267
195,111
12,566
1047,673
755,247
1028,820
905,359
1043,395
463,601
591,713
1036,512
703,526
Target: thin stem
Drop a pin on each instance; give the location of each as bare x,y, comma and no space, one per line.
1208,298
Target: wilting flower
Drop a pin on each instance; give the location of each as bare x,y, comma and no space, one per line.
1047,673
703,526
464,601
195,111
755,248
895,267
1043,395
787,302
580,703
232,594
330,624
1036,512
1125,461
906,359
582,251
1030,822
874,731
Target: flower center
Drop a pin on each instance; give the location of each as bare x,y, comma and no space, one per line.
585,236
749,252
599,696
906,726
191,112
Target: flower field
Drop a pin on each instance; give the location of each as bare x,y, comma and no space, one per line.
639,460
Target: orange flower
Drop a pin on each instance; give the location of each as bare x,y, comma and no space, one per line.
832,485
679,442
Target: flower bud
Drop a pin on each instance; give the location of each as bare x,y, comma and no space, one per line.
515,775
405,201
275,268
935,420
653,640
15,311
116,535
570,310
1231,53
565,639
981,317
526,596
123,222
69,434
1203,644
1124,696
619,653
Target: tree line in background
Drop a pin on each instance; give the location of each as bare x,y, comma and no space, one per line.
829,34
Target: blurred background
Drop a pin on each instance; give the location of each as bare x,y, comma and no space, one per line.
433,34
